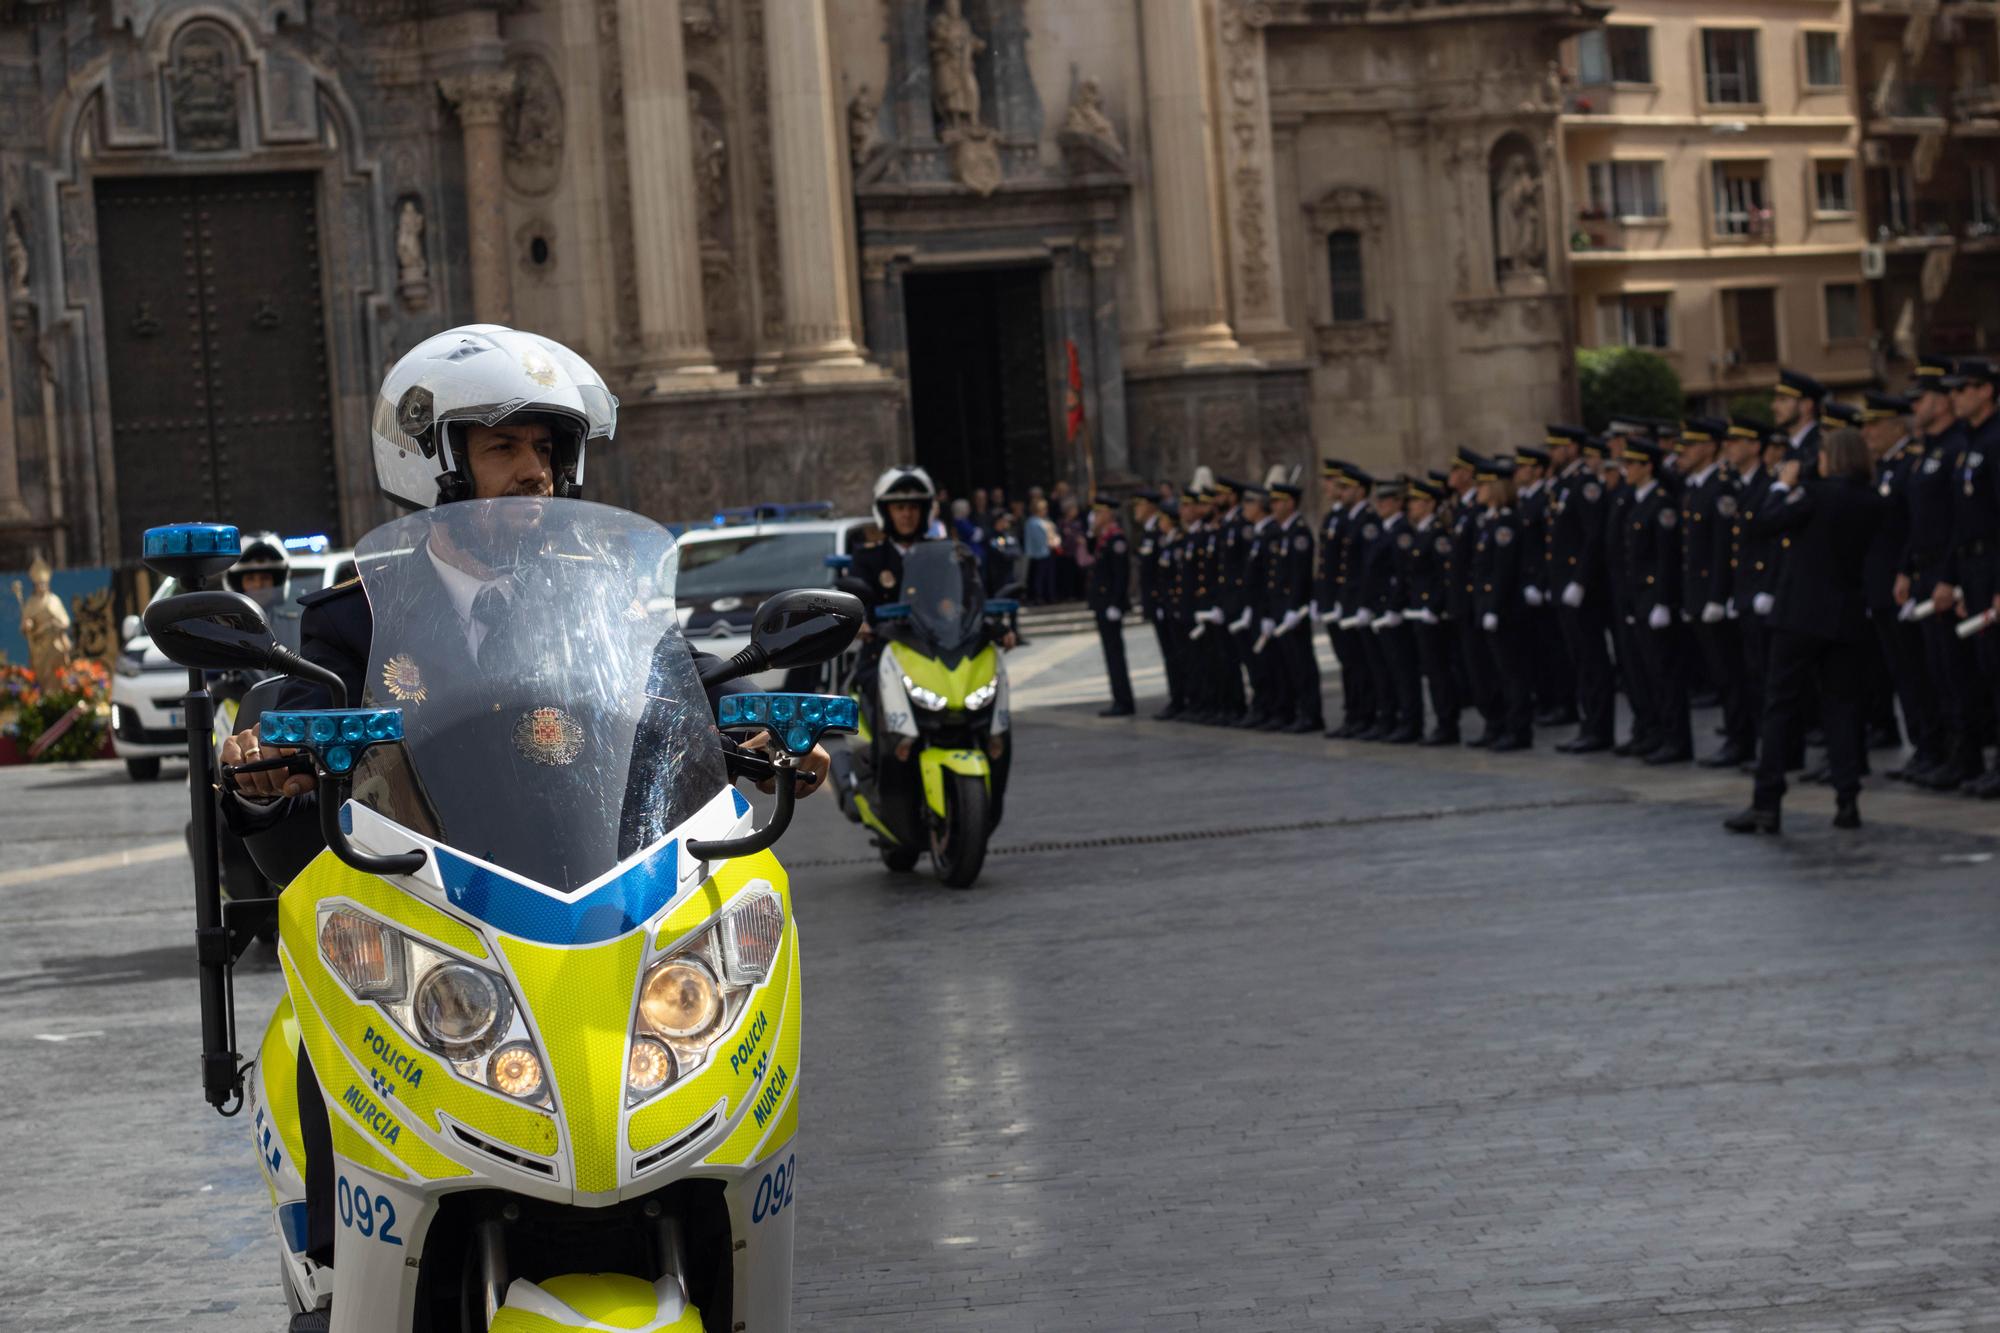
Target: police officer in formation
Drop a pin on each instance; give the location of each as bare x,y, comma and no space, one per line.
1675,563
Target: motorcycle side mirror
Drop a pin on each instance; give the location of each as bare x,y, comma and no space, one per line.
212,631
853,587
800,628
1012,590
129,629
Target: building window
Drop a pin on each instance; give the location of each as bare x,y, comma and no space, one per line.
1616,53
1898,198
1636,320
1729,64
1740,209
1985,196
1843,312
1750,326
1823,60
1831,193
1627,190
1343,258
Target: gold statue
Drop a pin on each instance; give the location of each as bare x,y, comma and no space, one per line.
45,625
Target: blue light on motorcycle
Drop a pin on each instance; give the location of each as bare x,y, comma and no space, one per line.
800,719
335,735
1002,606
893,611
192,539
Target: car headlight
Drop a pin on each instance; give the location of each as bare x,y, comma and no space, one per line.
983,696
129,665
454,1008
922,697
692,997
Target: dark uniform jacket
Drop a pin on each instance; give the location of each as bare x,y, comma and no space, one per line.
1706,511
1975,512
1146,555
1893,475
1423,565
880,567
1326,582
1464,584
1357,533
1289,556
1497,562
1830,526
1927,551
1534,512
1753,555
1381,591
1652,549
1235,538
1574,537
1110,579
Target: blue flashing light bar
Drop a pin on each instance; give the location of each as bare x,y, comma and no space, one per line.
1002,606
317,543
893,611
335,736
192,539
773,513
798,720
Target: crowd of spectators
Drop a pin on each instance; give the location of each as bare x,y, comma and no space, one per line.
1038,541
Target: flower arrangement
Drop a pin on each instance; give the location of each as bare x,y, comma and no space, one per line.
81,687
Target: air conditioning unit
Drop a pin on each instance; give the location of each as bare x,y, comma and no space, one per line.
1874,261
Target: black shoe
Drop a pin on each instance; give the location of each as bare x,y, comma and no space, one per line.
1753,820
1848,814
1440,737
1817,774
1117,710
1947,776
1729,756
1704,700
1484,740
1556,717
1303,726
1169,713
1272,724
1252,721
1986,788
1405,735
1626,749
1884,738
1509,744
1815,739
1669,754
1378,731
1588,745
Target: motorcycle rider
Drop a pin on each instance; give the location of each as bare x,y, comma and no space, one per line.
438,438
260,573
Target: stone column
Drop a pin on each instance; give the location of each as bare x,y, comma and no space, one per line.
1257,262
1107,363
815,253
666,231
479,97
1179,110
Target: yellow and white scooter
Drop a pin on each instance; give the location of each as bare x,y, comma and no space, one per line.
545,977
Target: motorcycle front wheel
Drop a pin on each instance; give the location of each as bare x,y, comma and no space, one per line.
958,843
902,860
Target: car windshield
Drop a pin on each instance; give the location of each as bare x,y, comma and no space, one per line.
946,598
754,562
553,718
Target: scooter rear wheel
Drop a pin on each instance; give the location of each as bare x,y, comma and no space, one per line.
958,849
902,860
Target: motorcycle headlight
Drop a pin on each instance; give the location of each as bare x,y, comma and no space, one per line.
691,998
922,697
454,1008
983,696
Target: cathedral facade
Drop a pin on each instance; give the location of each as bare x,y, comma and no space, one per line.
1016,240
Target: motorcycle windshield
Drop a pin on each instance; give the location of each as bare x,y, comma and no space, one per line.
946,597
554,722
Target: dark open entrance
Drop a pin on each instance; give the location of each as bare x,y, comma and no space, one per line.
979,379
216,350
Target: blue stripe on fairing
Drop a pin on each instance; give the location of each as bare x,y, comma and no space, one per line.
515,907
742,802
292,1223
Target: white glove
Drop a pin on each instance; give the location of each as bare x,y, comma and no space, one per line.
1113,614
1364,617
1335,614
1573,595
1661,617
1213,615
1160,616
1532,596
1762,603
1199,630
1265,625
1263,641
1422,615
1908,612
1389,620
1318,619
1729,608
1712,613
1288,624
1242,621
1490,623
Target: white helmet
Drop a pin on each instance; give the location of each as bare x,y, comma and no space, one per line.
904,483
482,374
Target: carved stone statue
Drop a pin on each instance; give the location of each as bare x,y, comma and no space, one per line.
533,127
413,270
861,112
44,624
1520,238
954,80
17,260
205,92
1086,119
711,166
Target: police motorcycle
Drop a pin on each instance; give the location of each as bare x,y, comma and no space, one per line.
546,968
929,772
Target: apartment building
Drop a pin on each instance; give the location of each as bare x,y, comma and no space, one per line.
1930,150
1715,211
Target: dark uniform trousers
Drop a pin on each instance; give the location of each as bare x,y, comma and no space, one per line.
1111,633
1721,646
1555,671
1903,649
1170,639
1801,664
1665,652
1583,630
1300,668
1510,650
1357,681
1482,684
1397,645
1436,651
1976,577
1954,669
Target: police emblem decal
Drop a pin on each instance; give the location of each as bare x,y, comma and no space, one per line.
1403,541
403,680
1669,517
548,736
1726,506
1503,536
1444,546
1591,491
888,578
1303,543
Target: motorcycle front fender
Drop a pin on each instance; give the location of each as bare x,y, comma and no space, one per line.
936,763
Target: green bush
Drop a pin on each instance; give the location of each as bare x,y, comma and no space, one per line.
1625,380
1754,408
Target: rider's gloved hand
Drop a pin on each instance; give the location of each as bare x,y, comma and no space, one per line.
812,767
242,748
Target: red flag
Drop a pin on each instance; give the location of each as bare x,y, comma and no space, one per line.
1074,398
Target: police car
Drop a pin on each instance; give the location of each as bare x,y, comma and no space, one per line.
147,724
727,571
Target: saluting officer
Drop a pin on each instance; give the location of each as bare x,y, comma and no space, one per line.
1109,594
1393,649
1795,407
1574,542
1926,563
1971,583
1289,609
1708,506
1424,569
1652,578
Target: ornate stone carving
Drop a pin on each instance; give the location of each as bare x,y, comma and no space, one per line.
1369,338
481,96
862,139
1240,21
770,279
1520,223
711,161
975,158
702,19
17,260
204,100
617,174
1350,208
1086,120
533,124
413,269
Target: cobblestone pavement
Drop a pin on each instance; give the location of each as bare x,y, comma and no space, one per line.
1454,1043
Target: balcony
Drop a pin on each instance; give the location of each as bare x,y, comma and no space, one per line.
1595,233
1896,9
1920,106
1975,108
